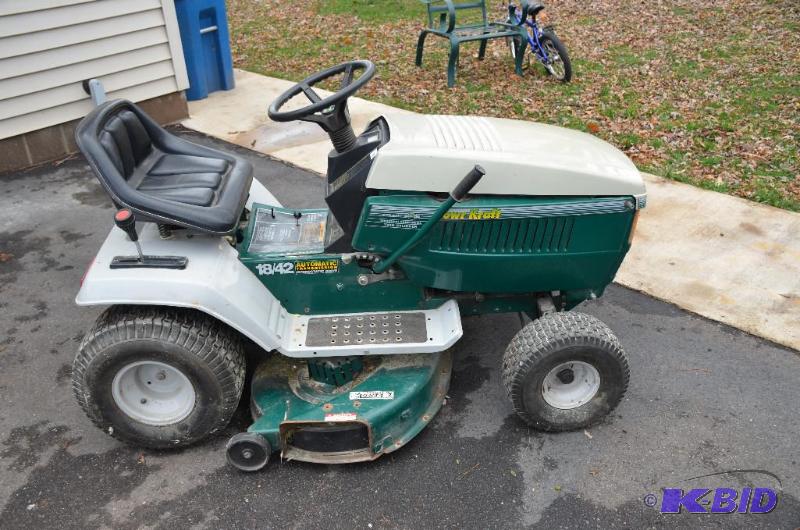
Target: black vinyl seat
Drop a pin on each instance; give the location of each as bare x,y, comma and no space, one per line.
161,177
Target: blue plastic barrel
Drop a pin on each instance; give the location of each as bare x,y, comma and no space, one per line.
206,46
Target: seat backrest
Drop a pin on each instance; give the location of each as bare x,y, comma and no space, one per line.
125,140
144,167
116,137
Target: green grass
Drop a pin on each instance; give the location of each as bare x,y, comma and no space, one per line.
628,140
625,56
767,193
374,10
695,93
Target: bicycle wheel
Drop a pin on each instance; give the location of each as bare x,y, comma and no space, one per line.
558,64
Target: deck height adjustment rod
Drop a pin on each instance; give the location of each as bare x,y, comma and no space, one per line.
458,193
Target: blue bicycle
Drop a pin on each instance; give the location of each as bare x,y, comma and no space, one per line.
543,43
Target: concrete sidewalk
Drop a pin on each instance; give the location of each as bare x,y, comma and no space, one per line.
239,116
722,257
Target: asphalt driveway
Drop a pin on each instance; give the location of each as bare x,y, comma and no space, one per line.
704,399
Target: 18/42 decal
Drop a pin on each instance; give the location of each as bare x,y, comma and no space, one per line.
309,266
270,269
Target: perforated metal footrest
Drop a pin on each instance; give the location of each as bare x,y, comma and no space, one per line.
420,331
370,328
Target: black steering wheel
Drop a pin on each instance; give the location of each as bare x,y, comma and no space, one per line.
331,112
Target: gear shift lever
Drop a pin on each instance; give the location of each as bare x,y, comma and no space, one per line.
125,220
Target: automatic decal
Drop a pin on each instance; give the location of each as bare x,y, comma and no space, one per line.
315,266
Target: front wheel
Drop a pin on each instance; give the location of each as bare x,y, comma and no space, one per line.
557,64
159,377
565,371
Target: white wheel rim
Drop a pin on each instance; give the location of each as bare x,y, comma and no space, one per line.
570,385
152,392
555,60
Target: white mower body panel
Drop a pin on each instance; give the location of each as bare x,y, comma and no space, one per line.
218,284
214,280
433,153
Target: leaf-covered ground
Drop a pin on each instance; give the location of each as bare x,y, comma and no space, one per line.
701,91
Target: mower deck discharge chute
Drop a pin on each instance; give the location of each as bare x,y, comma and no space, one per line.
429,218
349,418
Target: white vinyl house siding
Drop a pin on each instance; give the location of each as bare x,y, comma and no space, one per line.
49,47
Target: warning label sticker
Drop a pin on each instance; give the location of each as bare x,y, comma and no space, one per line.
341,416
372,394
277,230
315,266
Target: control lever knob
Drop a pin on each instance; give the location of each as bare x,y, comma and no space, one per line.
467,183
125,220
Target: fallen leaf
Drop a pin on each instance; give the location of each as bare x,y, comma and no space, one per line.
470,470
696,370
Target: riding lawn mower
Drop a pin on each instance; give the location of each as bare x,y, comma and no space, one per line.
354,307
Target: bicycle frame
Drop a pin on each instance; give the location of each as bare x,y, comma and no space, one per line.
533,36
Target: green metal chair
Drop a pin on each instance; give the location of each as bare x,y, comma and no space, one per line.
442,22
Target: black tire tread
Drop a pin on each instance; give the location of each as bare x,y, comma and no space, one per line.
551,332
562,51
207,338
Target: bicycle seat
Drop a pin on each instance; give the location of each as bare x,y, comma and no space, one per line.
535,9
161,177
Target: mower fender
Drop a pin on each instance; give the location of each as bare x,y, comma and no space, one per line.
214,280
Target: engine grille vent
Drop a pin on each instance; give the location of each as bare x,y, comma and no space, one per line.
505,236
464,132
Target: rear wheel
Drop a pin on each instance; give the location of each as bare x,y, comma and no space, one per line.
159,377
558,64
565,371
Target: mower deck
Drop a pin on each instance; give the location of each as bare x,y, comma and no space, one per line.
388,402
